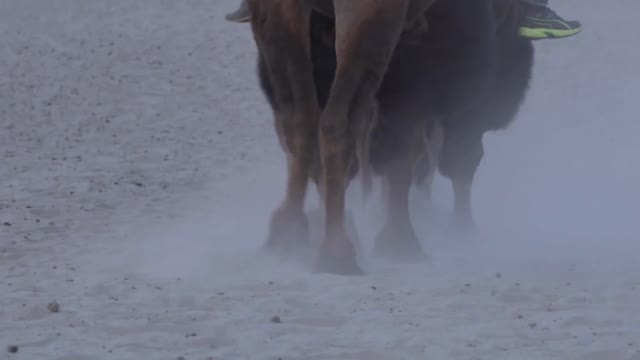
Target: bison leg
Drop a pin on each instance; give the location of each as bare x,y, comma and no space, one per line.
461,154
367,32
281,32
397,239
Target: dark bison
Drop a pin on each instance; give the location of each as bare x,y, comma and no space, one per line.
459,72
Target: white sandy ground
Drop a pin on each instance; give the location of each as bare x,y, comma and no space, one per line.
138,167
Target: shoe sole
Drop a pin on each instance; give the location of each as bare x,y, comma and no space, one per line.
540,34
243,19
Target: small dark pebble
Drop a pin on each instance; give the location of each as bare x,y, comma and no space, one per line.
374,288
54,307
532,325
276,320
467,285
498,275
12,349
6,223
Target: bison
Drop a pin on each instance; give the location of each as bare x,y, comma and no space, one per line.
459,70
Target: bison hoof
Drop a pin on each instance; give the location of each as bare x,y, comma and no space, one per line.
462,229
288,234
463,224
398,243
340,260
345,266
316,220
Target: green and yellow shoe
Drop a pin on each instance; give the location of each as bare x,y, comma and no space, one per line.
544,23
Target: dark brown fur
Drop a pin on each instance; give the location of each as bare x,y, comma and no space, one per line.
468,75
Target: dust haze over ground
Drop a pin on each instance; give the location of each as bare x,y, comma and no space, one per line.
139,167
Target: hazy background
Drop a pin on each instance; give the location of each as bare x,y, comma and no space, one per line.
135,144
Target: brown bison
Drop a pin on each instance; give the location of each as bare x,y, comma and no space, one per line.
350,98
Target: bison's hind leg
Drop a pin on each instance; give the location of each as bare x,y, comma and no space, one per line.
281,35
398,240
367,32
